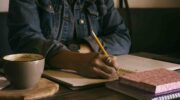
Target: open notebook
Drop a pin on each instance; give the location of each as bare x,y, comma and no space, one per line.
131,63
73,80
127,63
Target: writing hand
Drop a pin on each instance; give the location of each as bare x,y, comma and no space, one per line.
98,67
89,64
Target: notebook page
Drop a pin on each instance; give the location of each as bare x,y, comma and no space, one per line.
73,79
131,63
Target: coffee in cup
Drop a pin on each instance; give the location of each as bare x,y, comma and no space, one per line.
23,70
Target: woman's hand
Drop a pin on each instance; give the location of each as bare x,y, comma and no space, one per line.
89,64
98,66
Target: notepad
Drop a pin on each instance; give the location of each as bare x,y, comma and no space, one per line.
127,64
72,79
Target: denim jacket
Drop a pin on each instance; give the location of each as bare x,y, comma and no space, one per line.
44,26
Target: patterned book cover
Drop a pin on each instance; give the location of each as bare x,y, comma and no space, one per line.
154,81
141,94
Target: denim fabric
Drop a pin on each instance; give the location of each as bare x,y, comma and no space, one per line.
44,26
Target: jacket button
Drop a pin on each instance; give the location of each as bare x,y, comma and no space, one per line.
81,21
50,7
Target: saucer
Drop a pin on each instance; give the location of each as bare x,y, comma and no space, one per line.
44,88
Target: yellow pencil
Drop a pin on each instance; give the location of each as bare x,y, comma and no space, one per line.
99,43
102,48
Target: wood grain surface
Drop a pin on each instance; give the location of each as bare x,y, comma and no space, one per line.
43,89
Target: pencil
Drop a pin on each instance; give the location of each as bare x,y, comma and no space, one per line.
102,48
99,44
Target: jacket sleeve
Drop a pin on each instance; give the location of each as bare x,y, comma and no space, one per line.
115,36
25,32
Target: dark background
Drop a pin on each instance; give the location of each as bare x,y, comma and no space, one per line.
4,47
153,30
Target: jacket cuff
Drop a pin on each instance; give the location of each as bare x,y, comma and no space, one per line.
92,43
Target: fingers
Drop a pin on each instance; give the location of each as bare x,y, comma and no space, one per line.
103,70
98,66
101,73
101,65
110,60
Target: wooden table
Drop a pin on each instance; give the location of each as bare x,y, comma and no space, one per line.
100,92
95,93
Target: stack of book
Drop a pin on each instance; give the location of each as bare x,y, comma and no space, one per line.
158,84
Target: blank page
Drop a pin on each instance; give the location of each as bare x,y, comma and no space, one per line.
133,63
